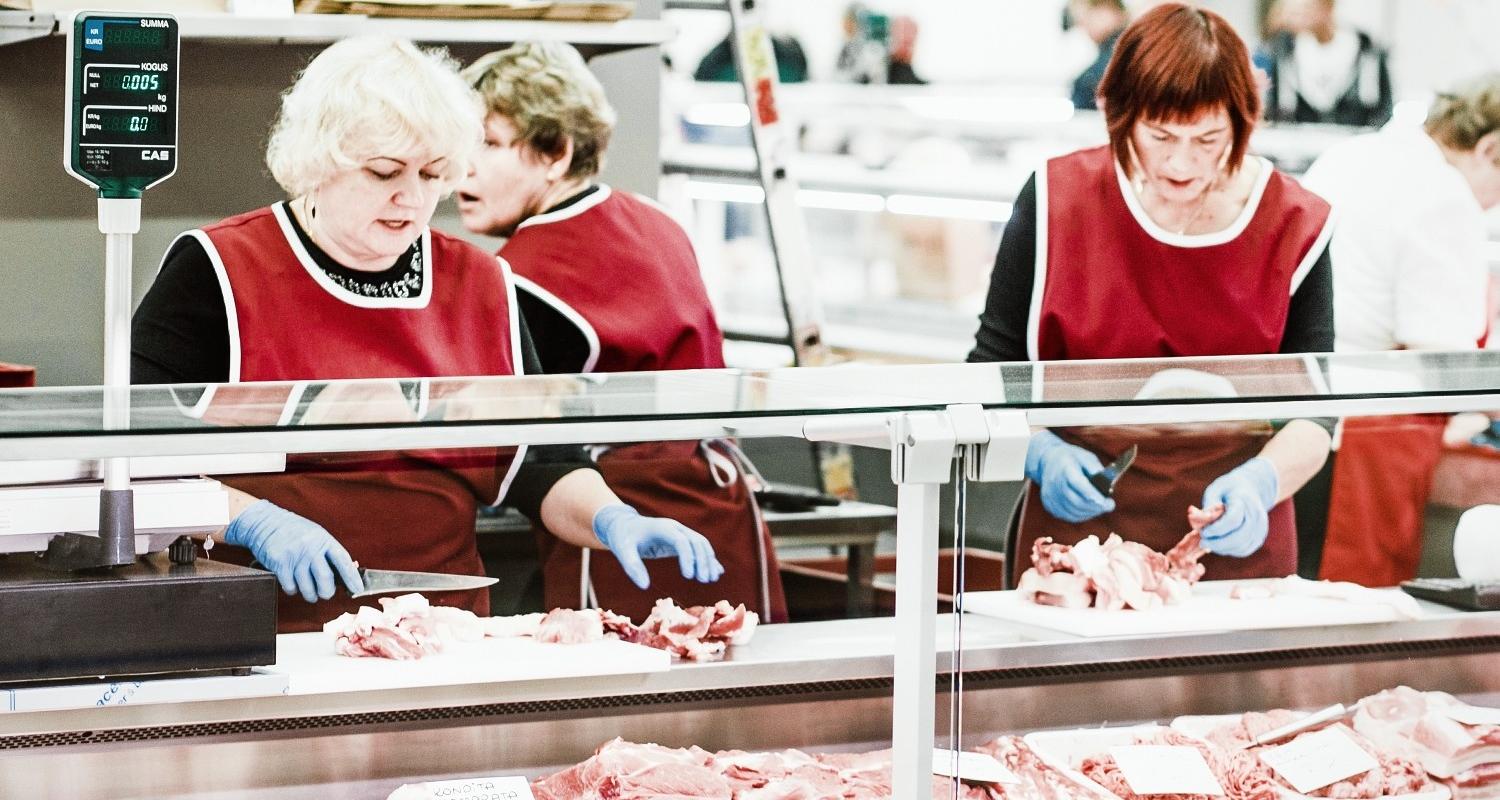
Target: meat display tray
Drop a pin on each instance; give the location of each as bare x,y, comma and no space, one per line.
1210,608
312,666
1063,750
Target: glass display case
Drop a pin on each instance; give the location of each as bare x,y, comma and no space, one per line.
905,682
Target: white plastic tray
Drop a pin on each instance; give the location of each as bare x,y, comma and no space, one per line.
1209,609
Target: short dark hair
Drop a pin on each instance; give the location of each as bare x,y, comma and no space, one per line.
1173,64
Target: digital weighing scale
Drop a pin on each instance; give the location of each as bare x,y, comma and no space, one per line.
108,599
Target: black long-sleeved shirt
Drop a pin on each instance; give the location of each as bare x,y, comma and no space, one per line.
180,334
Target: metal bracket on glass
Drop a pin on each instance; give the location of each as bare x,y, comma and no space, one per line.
923,445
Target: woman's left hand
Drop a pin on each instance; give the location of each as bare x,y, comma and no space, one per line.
1248,492
632,537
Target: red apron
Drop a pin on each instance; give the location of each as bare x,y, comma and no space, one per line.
1381,480
394,510
624,273
1110,284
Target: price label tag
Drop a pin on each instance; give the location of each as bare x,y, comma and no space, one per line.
1473,715
1315,760
977,767
1165,769
467,789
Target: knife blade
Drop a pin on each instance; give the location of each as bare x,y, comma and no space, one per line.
387,581
1105,479
1313,721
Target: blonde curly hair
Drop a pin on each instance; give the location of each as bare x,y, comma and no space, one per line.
549,94
1460,118
373,96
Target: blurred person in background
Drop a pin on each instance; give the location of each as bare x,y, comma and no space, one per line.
1169,241
609,283
898,70
1321,71
1411,274
1102,21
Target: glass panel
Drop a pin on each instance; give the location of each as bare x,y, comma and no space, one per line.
734,393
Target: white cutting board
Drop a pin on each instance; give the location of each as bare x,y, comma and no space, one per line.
1208,609
311,665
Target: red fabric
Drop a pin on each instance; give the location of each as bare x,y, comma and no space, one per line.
1111,290
17,376
393,510
629,270
1381,479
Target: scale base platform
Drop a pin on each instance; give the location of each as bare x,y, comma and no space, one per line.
148,617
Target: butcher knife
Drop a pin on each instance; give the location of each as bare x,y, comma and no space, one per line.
390,581
1105,479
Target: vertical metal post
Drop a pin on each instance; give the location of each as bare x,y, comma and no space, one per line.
922,447
916,630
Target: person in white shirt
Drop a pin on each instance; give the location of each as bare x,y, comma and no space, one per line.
1410,273
1410,269
1322,72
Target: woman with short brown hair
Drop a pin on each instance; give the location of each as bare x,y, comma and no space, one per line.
1169,241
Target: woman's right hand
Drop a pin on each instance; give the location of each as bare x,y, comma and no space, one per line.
299,551
1062,471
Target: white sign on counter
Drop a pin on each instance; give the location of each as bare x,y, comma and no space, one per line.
467,789
1315,760
978,767
1165,769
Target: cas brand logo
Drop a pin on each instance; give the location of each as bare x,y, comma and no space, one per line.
154,155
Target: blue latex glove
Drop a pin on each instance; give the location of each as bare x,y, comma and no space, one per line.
1248,493
1062,472
303,555
632,537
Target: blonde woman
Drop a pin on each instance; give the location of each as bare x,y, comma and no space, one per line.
346,280
614,283
1411,274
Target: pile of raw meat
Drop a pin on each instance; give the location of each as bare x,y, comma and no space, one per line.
1241,774
1116,574
409,627
1455,742
622,770
1039,780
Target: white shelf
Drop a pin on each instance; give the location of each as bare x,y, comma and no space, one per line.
591,37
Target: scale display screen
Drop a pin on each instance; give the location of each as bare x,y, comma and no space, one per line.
122,122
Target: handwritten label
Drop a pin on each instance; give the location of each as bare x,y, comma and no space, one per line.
976,767
467,789
1473,715
1315,760
1165,769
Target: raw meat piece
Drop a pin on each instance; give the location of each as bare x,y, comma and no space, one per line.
408,627
1243,731
1114,574
1039,780
1396,775
1479,783
699,633
403,629
566,626
620,770
1416,725
1241,775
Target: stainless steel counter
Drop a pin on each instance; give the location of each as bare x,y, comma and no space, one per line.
824,684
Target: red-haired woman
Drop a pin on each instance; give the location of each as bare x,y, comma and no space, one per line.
1169,241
